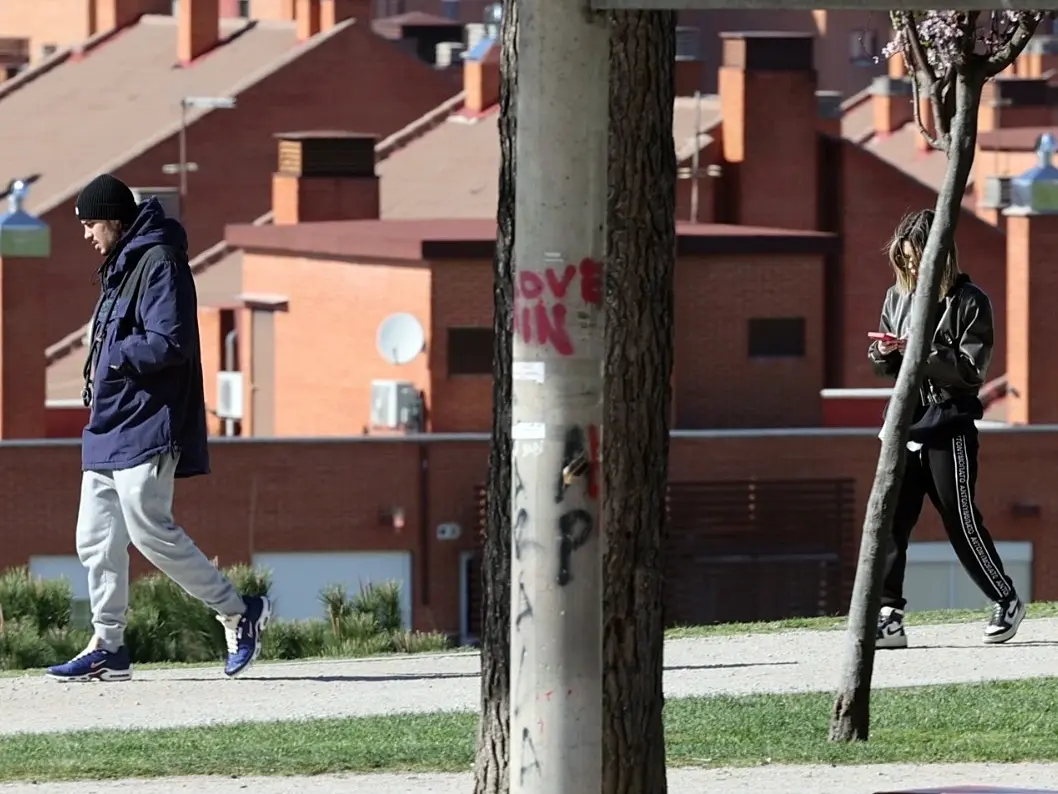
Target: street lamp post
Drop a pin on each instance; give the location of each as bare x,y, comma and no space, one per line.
186,103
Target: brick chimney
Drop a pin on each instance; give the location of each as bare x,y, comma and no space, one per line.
481,80
1014,102
325,176
332,12
768,103
114,14
307,18
891,100
25,242
1032,288
198,28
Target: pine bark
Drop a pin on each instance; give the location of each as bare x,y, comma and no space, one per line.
641,253
851,715
493,753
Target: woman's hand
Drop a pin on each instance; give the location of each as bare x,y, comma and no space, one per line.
886,346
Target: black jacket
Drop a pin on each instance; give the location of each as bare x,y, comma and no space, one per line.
958,360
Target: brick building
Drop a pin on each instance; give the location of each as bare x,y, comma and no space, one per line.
847,41
773,238
279,73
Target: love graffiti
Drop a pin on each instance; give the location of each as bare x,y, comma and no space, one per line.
540,310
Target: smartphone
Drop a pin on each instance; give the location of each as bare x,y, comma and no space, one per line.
883,337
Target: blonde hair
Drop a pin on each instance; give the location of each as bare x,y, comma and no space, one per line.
913,230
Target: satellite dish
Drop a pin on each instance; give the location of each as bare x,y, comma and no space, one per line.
400,338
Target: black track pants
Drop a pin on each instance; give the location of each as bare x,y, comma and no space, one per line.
947,473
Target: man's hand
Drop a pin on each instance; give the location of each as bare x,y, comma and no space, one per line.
886,346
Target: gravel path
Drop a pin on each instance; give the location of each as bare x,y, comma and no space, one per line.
758,780
788,662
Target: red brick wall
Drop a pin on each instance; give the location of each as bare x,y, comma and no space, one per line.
325,349
462,297
326,495
65,422
326,354
717,384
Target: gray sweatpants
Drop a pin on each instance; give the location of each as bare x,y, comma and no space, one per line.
137,505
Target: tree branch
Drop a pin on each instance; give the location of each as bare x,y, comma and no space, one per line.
916,105
1005,55
918,52
942,98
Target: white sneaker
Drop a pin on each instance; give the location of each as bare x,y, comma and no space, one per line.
890,629
1006,618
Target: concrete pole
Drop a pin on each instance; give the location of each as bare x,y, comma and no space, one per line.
560,210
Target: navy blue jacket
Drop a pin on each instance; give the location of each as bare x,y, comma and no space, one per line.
147,392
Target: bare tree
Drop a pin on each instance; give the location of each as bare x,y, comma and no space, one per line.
950,55
493,746
640,259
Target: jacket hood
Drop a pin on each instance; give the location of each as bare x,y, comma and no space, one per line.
150,228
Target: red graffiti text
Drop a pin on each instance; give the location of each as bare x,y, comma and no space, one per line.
540,303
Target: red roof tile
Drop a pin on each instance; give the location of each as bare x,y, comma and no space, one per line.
139,105
452,171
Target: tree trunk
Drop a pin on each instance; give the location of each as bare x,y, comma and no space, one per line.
641,253
850,720
493,753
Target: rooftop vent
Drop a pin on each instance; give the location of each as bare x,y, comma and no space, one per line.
328,154
449,52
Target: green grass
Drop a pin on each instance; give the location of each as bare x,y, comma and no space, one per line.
996,722
1041,609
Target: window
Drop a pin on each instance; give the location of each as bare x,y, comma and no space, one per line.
777,337
863,46
470,351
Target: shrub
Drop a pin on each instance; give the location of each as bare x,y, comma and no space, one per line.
23,645
165,624
45,603
294,639
419,642
381,601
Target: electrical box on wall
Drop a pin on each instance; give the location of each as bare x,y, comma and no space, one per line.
395,405
449,531
229,395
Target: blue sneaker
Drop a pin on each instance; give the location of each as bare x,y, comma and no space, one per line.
95,664
243,633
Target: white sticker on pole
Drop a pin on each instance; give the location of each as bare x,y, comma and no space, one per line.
528,370
529,431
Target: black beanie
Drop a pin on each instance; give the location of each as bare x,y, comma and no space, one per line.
106,198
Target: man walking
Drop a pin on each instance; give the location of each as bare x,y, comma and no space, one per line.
147,426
